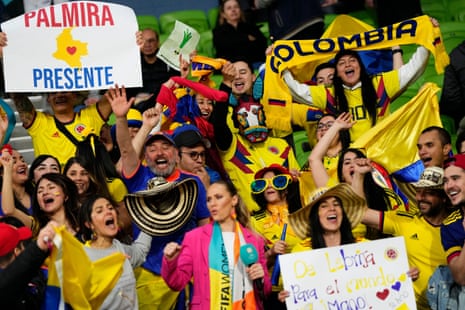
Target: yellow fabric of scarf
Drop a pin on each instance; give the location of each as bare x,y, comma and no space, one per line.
296,55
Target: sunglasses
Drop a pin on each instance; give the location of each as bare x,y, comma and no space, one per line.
278,182
195,155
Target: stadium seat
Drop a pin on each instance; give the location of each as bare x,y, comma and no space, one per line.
197,19
448,124
437,10
163,37
205,46
453,33
301,154
148,21
408,50
212,15
456,10
438,79
405,97
265,30
366,16
329,18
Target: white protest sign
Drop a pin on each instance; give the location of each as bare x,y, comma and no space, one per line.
77,45
365,275
182,40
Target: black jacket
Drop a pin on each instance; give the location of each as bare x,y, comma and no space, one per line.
22,284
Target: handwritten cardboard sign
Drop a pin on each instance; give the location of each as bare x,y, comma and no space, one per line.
79,45
182,41
366,275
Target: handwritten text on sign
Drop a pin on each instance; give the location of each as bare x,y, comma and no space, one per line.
72,46
366,275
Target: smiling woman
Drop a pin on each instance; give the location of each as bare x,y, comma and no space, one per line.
55,198
17,190
366,98
328,220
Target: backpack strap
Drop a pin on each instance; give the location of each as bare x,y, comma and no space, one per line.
61,127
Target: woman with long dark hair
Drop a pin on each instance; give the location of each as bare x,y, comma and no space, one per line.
327,221
354,91
42,164
98,222
56,198
16,189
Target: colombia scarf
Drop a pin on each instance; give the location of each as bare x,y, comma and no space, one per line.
226,292
294,55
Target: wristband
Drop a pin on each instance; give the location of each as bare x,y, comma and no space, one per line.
398,50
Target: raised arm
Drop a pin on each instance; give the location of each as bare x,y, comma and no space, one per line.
104,107
300,92
138,250
415,67
223,134
362,166
150,121
3,128
8,201
397,60
3,42
120,106
457,267
372,218
25,109
315,160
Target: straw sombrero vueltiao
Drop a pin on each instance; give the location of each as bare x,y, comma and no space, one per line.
164,207
354,207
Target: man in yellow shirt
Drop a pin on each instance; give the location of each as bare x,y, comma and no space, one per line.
421,231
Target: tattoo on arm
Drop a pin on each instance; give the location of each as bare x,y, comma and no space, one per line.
25,109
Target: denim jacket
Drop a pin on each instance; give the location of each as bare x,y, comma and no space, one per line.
443,293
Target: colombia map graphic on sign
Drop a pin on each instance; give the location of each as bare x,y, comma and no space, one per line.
69,49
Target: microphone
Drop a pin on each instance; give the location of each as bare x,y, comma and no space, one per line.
249,256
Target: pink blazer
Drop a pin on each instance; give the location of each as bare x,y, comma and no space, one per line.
193,262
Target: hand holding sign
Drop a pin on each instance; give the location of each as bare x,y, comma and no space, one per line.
366,275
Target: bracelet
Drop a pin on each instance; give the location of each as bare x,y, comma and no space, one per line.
398,50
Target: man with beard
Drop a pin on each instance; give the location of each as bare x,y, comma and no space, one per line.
453,228
250,148
421,231
154,71
161,157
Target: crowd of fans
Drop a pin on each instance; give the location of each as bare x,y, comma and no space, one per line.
180,143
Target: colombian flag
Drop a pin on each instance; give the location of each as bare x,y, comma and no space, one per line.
73,280
392,142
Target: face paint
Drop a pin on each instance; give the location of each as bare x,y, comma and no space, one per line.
251,120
